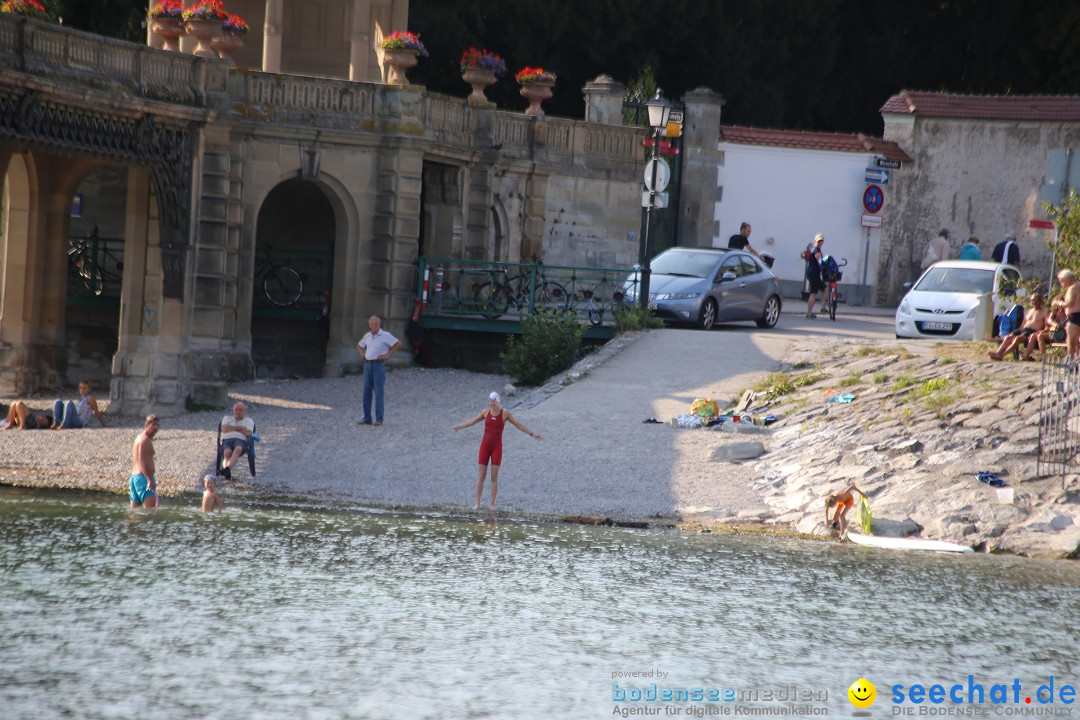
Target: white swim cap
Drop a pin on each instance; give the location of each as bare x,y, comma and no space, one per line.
494,396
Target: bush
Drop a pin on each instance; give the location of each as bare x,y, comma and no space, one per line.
635,317
550,343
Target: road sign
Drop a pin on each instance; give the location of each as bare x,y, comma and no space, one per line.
657,169
661,199
871,221
1041,224
877,175
891,164
873,199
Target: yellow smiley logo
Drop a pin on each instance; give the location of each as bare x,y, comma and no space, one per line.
862,693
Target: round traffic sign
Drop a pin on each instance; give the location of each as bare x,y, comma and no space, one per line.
873,199
658,169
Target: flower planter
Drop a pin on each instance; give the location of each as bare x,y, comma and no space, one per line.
168,29
204,31
536,93
397,62
227,43
479,78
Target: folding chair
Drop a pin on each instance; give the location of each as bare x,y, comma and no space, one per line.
250,452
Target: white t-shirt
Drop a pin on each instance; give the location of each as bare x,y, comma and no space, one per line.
234,435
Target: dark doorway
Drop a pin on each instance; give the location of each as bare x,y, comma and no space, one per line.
294,255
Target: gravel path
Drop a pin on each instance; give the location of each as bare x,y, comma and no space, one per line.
597,457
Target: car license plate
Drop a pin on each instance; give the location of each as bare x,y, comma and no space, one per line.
937,326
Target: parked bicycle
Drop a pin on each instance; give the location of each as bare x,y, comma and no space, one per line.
495,298
282,285
830,273
91,265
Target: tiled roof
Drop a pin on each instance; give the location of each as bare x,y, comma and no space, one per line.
985,107
839,142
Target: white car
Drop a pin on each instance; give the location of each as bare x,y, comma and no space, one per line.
945,299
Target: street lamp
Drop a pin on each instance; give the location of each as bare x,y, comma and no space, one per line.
659,110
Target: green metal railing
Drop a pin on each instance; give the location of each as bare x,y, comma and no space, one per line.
481,290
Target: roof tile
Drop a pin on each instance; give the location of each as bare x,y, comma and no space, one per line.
838,142
984,107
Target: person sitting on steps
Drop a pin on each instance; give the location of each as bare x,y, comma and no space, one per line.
1034,323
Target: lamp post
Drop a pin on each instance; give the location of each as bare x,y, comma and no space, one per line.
659,110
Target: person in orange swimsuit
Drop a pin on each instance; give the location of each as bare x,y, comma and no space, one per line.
843,501
494,419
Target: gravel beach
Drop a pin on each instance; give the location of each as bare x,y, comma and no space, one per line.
597,456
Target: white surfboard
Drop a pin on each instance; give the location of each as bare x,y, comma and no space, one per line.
908,543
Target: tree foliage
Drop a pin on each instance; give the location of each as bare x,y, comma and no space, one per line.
1066,217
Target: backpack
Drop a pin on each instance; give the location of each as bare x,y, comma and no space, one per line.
830,271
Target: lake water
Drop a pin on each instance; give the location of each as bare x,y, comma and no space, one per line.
295,611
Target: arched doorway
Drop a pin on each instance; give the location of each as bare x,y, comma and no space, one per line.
294,257
95,252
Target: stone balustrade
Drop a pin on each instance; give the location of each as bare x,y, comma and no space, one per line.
50,51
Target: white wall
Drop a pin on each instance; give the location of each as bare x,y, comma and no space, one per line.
788,195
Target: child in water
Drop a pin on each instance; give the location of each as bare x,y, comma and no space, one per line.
210,499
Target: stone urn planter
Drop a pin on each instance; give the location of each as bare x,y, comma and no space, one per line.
479,78
397,62
170,30
536,93
226,44
203,31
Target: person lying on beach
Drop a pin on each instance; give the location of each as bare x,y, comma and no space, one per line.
843,501
494,418
19,416
211,500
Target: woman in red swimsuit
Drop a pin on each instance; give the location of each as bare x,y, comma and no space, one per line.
494,419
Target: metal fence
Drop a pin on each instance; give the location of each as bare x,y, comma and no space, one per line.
1059,417
493,290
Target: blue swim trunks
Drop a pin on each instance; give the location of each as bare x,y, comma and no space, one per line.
140,489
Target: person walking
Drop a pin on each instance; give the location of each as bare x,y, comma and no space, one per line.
143,484
813,276
936,250
494,418
970,250
1007,251
375,347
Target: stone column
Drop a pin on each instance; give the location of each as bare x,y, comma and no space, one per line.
604,101
271,59
701,160
479,182
360,49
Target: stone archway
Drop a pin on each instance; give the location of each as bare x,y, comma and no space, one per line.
294,239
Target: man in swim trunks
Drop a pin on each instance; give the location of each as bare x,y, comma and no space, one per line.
143,486
494,419
843,501
1035,321
1071,303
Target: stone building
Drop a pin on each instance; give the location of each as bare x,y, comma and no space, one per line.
978,165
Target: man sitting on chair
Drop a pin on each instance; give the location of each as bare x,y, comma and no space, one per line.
236,432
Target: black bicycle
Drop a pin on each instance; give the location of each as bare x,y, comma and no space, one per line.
282,285
495,298
89,262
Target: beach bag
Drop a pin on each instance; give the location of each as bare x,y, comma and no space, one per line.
705,407
1058,335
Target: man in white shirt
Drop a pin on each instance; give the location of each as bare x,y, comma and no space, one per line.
375,347
236,432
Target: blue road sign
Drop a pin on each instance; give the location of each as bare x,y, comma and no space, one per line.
873,199
877,175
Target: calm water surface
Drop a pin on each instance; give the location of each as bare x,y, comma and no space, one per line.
307,612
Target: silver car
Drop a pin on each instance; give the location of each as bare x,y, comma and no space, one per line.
703,286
